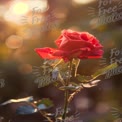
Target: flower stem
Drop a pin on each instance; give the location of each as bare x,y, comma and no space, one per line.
41,112
67,93
65,104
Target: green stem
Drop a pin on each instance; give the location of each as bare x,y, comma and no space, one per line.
67,93
65,104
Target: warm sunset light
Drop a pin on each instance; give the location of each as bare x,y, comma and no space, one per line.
19,8
14,42
60,61
82,1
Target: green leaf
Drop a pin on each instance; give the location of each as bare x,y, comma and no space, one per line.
44,81
25,110
83,78
72,88
74,84
90,84
56,84
104,70
44,103
26,99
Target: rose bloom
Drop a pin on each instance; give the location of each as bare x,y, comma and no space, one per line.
72,44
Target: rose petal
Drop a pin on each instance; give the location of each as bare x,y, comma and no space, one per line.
72,44
47,53
75,44
58,41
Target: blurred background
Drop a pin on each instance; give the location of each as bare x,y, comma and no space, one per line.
29,24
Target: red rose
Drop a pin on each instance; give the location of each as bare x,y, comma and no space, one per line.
72,44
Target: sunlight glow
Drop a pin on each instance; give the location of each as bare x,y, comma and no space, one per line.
39,5
19,8
82,1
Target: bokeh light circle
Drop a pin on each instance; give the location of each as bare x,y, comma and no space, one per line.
14,42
